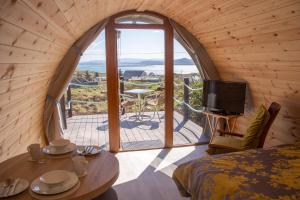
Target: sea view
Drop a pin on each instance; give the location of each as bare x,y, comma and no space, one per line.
157,69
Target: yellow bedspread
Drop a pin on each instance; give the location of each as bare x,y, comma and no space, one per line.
272,173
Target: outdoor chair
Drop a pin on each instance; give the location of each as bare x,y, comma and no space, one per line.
253,138
152,102
127,102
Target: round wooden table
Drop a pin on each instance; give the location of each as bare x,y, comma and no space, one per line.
103,171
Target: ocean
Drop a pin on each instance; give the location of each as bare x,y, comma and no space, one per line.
157,69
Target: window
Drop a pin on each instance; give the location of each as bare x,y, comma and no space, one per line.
138,19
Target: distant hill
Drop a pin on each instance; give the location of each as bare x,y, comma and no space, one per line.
183,61
140,62
152,62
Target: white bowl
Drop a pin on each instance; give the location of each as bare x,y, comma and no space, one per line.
54,177
54,151
60,143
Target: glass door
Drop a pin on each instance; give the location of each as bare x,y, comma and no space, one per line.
84,104
188,121
140,82
140,55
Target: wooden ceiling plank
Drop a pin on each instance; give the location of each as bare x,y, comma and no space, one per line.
73,17
26,18
259,27
22,93
52,14
9,85
14,71
249,16
10,54
15,36
18,112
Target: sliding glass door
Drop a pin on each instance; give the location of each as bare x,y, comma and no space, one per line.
140,79
140,55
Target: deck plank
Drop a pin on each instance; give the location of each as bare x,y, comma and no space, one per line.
93,130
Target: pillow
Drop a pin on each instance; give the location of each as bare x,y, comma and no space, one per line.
255,129
233,143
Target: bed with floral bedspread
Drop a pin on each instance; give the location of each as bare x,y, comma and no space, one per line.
272,173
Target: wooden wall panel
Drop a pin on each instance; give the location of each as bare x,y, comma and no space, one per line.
251,40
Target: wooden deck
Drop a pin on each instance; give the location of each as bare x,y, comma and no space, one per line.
93,130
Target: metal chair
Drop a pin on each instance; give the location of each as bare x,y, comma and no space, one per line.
152,101
127,101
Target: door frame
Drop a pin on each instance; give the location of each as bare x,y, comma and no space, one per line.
113,76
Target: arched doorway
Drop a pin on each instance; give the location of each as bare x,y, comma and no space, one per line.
163,120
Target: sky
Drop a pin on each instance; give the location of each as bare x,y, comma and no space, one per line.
141,44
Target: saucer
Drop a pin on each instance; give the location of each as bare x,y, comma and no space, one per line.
52,151
20,186
39,187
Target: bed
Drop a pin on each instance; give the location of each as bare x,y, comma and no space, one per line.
272,173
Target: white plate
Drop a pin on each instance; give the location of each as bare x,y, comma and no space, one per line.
45,189
52,151
81,150
54,177
20,187
61,196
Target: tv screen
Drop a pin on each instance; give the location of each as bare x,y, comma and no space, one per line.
224,97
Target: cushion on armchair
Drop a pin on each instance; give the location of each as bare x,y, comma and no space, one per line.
255,129
230,144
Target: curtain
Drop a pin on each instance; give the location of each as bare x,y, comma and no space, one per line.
61,79
205,65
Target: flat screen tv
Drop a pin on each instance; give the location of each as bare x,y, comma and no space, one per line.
224,97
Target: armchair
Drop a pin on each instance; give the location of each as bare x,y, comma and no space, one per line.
253,138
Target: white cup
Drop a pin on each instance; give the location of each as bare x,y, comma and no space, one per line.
35,151
80,165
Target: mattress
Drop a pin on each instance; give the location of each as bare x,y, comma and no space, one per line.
272,173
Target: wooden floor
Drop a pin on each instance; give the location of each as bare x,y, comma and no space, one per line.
147,174
93,130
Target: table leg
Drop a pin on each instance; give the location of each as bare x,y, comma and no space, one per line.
215,124
228,125
205,125
210,127
140,106
138,117
233,125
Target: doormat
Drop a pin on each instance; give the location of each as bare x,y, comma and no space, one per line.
147,144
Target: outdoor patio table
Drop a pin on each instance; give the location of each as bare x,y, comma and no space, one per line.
139,93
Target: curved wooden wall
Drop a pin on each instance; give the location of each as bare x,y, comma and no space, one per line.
252,40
